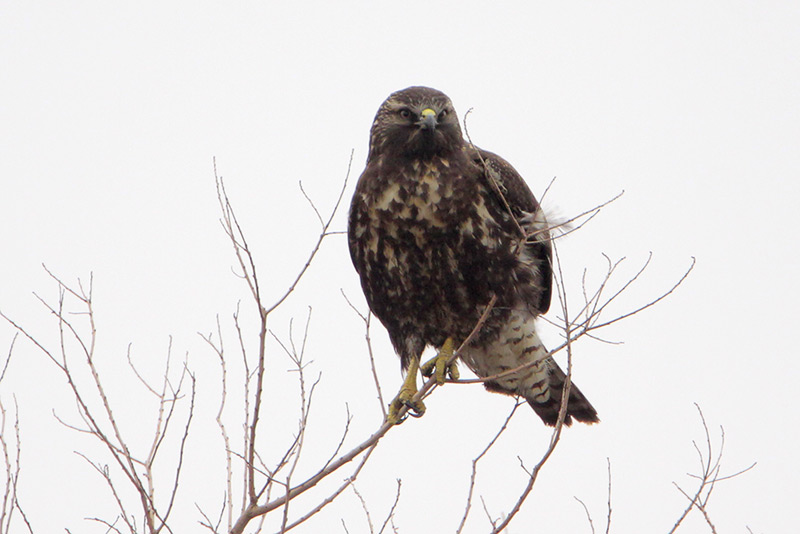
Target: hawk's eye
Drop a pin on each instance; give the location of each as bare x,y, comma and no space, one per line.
405,113
443,114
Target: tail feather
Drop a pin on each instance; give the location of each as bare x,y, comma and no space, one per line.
578,407
540,380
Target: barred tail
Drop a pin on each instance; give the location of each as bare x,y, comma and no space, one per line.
578,406
540,380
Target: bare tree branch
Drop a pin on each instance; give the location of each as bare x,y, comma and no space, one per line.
474,473
220,352
364,507
608,516
102,423
390,515
710,468
258,482
588,515
367,318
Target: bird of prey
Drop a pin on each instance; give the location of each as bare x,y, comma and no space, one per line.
439,229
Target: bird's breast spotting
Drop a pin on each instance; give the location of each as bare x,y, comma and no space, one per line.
428,199
436,240
422,194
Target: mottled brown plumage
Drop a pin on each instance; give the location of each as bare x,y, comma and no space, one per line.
436,229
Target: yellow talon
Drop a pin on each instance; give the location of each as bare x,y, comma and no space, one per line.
405,395
438,366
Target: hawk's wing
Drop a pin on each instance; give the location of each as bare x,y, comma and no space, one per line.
528,213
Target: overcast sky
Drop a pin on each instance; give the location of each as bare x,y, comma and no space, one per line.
111,115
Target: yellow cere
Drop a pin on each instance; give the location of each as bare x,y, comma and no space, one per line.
427,112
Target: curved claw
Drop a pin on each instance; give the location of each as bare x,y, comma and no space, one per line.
405,397
438,366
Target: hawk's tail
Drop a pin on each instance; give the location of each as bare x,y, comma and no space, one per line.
578,407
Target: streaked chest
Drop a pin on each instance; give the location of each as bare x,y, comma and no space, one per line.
421,193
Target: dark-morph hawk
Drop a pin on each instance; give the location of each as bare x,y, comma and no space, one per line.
437,228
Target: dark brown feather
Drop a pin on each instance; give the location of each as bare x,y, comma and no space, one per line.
436,229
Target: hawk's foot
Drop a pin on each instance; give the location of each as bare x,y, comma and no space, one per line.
438,366
404,398
406,395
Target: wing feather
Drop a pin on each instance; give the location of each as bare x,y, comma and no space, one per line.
529,214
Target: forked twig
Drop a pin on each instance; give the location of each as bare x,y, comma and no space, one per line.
101,423
474,473
710,469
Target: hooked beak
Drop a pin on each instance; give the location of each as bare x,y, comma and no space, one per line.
428,120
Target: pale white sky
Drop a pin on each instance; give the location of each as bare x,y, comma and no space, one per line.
110,116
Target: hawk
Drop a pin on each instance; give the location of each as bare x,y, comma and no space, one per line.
437,230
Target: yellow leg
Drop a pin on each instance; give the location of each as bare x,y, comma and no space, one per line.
438,365
407,392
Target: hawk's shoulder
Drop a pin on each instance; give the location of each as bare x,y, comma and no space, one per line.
514,189
504,181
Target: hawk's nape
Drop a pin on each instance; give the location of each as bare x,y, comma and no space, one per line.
437,229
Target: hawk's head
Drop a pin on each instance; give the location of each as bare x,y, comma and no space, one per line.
415,122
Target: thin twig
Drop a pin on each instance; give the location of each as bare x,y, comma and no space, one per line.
709,475
390,515
363,507
608,516
474,473
325,226
330,498
367,318
588,515
220,351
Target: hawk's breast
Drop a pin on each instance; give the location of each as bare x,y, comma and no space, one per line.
430,247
